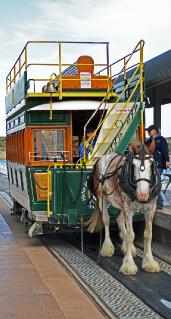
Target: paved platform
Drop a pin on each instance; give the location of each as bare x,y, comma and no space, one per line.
32,283
163,216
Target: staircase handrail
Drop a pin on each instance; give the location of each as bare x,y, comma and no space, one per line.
124,122
94,113
136,49
117,118
114,105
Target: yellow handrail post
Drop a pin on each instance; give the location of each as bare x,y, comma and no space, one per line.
19,66
50,115
49,213
141,93
6,84
25,55
60,72
51,90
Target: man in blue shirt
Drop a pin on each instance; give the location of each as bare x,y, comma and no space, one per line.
160,154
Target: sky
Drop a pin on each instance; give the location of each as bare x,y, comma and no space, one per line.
121,22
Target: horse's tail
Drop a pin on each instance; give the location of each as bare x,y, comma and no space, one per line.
94,224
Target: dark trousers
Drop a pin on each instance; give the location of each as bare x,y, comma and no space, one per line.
160,198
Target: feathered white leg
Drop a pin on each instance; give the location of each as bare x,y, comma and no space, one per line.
148,263
121,224
128,266
107,247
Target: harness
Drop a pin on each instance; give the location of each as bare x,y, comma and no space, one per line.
101,180
125,174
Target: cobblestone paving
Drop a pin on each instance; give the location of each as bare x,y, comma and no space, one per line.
119,299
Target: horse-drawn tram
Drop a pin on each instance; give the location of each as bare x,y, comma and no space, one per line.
56,92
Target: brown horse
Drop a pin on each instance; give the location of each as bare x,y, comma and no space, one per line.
131,183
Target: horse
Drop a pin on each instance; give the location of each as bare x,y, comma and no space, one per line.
129,182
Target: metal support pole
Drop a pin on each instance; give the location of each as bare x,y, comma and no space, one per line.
141,93
60,73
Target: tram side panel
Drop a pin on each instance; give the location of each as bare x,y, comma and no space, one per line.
18,185
71,201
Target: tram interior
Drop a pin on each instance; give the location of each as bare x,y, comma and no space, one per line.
79,119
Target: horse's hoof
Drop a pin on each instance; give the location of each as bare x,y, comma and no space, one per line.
129,270
151,267
107,250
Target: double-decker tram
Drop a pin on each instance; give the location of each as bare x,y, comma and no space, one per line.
55,93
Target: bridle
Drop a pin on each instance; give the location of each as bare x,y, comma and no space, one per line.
129,184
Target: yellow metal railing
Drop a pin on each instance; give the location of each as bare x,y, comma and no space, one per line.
22,63
49,193
139,68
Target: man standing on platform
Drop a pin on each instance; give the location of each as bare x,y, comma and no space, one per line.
161,153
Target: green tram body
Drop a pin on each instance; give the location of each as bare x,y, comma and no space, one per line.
51,190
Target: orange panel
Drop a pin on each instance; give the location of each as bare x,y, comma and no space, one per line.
98,81
41,182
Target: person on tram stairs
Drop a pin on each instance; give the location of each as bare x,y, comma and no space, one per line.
160,154
89,147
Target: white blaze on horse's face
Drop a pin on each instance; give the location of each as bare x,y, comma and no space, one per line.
142,178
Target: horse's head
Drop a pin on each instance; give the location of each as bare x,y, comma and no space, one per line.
145,176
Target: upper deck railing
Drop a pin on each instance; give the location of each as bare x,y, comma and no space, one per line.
25,62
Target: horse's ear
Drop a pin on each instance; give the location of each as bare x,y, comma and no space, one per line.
150,149
134,145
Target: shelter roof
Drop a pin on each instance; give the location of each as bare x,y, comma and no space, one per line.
158,69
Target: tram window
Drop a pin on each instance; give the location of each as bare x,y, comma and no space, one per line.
12,177
16,122
48,144
21,180
21,119
16,178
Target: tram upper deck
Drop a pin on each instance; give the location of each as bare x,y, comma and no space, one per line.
30,78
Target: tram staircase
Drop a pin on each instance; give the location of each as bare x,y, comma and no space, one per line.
117,130
122,118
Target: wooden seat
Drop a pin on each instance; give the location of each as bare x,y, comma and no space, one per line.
85,67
